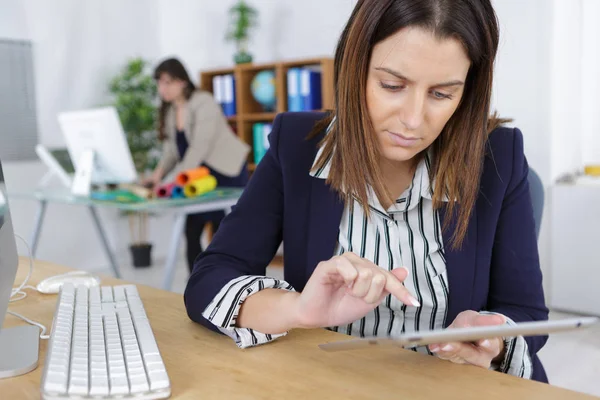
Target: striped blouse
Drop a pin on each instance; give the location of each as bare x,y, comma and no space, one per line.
406,234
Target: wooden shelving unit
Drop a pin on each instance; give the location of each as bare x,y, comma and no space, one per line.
248,110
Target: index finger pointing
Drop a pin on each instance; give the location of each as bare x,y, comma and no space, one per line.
395,287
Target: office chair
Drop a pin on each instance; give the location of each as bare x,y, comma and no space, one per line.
536,189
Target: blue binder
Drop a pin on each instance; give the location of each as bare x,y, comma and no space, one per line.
293,90
229,106
310,89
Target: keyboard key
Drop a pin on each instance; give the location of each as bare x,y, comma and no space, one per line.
55,384
119,293
159,380
78,385
119,386
139,384
99,387
107,294
131,291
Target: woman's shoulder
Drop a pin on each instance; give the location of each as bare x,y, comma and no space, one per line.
504,154
291,141
292,129
201,98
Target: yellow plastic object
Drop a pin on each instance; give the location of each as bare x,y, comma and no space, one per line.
200,186
592,170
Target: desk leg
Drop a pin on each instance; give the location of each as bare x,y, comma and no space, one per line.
173,249
104,240
37,227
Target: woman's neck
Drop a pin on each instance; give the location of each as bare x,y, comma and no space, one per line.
397,176
180,101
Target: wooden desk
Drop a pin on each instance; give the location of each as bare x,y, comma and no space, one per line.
205,365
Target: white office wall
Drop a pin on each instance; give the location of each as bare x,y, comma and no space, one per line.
521,88
590,79
79,45
12,20
566,68
195,30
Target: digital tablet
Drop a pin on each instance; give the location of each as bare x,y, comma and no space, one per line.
470,334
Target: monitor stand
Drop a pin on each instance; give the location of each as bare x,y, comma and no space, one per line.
82,182
19,350
54,168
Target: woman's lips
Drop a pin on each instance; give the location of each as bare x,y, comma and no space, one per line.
402,140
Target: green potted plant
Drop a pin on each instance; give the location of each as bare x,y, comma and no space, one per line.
134,94
243,18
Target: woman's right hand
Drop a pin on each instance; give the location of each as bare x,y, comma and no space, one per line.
344,289
154,180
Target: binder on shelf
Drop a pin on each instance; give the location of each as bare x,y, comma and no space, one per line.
293,90
310,89
218,90
260,139
229,106
266,131
258,142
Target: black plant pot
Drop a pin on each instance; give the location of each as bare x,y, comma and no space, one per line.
141,254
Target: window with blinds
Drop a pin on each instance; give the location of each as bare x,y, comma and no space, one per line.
18,120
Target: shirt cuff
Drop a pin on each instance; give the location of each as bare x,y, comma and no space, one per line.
517,361
223,310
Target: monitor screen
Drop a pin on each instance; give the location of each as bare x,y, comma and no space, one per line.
9,260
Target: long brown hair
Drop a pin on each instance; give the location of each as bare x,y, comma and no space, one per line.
459,150
175,69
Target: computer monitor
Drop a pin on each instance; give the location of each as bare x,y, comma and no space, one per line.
98,148
18,345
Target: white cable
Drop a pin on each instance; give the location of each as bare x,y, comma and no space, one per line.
42,327
20,288
18,291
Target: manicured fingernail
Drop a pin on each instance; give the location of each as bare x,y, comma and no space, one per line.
434,349
414,302
448,347
486,343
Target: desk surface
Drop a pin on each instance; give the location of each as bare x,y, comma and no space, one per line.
227,195
206,365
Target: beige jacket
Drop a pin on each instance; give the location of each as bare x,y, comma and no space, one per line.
211,140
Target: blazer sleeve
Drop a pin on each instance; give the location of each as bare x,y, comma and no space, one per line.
516,289
206,124
247,239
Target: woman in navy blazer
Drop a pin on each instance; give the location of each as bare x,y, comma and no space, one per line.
413,82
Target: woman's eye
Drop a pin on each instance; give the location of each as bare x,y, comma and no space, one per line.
440,95
392,88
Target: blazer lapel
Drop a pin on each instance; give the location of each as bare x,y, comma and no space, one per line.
460,266
325,214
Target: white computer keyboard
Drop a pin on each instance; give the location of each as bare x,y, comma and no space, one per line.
102,347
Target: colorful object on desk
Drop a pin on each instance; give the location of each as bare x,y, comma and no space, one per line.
191,175
200,186
117,196
177,192
592,170
138,190
165,191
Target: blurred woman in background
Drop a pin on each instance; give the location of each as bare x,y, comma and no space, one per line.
195,133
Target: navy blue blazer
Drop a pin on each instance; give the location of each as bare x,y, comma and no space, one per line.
497,268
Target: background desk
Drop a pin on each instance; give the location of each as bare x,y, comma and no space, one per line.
575,271
205,365
221,199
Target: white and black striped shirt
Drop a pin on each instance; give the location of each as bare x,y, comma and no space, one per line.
406,234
